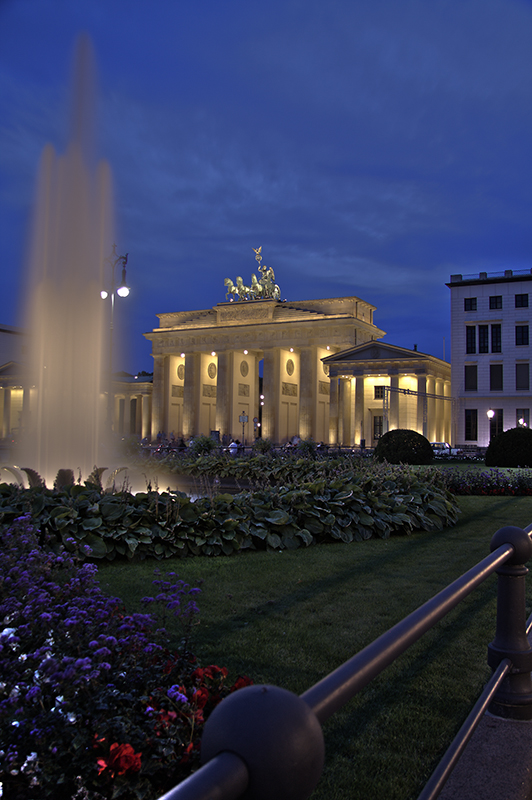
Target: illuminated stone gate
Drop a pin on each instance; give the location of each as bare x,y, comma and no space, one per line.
206,366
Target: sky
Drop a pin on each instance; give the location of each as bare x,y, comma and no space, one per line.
371,147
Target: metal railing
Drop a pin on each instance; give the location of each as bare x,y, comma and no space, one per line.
266,742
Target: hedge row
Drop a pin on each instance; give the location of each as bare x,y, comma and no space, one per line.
102,525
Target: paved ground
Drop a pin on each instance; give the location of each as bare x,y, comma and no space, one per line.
496,764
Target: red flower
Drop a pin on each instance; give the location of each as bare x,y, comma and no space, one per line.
201,696
122,758
240,682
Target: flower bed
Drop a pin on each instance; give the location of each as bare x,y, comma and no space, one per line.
488,482
93,704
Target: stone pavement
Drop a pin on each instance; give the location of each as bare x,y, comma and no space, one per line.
496,764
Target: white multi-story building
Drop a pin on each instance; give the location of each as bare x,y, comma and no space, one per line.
490,354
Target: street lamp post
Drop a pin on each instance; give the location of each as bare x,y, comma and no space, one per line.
122,290
490,414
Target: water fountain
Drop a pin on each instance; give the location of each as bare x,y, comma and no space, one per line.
64,410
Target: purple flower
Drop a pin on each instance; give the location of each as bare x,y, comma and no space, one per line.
175,695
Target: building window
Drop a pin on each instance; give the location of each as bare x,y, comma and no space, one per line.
483,340
470,303
521,335
495,301
379,392
495,377
471,339
470,378
496,422
471,424
521,301
522,377
522,418
377,427
496,339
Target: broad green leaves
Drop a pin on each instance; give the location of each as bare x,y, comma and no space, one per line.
343,505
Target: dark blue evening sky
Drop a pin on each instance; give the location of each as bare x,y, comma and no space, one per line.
372,147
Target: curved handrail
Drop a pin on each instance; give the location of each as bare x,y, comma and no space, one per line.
227,776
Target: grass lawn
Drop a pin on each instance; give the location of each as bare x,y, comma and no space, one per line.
290,618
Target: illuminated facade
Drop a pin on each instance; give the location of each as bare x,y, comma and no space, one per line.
377,387
490,353
207,365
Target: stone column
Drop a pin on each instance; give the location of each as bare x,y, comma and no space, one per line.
138,416
448,408
191,394
421,408
6,417
271,391
146,418
344,412
307,389
256,360
333,411
359,410
393,413
431,411
224,392
157,408
127,415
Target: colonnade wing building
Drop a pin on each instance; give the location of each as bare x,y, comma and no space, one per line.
323,374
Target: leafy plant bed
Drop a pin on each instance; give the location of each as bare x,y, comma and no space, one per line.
291,618
346,508
93,702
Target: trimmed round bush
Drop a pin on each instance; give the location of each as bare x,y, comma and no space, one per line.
512,448
404,447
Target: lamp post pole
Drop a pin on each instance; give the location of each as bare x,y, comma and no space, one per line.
490,414
122,290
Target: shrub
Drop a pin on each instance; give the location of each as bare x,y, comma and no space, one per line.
202,446
92,701
262,445
513,448
306,448
403,447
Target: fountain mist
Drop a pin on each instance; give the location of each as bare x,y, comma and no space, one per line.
64,405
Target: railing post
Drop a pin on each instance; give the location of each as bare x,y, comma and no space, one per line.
277,736
513,699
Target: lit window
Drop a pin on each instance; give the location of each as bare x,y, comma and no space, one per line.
522,417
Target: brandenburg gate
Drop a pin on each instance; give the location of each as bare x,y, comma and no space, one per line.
207,363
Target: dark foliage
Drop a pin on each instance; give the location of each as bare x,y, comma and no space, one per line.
403,447
513,448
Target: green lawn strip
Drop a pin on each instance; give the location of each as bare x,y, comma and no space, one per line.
289,618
